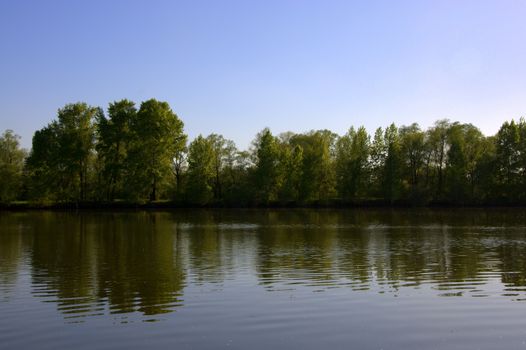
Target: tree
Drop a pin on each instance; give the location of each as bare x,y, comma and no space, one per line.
413,153
201,170
156,138
142,154
508,161
11,166
42,165
240,174
377,157
76,143
457,164
392,169
223,157
437,139
466,147
211,173
233,172
180,163
267,170
291,160
62,154
318,174
522,156
485,173
114,136
352,153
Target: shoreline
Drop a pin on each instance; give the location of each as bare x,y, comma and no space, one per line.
163,205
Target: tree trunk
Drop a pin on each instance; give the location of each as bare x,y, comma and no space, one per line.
153,194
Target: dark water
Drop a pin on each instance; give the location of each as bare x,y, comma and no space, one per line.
305,279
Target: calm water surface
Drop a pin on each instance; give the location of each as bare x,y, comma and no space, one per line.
249,279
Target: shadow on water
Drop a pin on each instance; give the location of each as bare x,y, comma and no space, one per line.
139,265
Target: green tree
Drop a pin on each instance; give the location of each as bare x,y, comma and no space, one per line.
508,161
62,154
352,155
457,164
318,171
437,140
76,142
466,147
413,153
201,170
267,172
11,166
485,172
180,164
223,157
392,169
156,138
42,165
142,154
240,174
475,146
377,157
291,160
113,136
522,157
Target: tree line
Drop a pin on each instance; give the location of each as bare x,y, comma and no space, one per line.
141,154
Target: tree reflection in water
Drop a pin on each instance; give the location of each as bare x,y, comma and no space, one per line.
122,263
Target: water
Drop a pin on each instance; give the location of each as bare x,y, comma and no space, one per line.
256,279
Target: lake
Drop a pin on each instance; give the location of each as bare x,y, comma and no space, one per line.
264,279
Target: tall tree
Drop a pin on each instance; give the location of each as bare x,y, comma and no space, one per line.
44,175
392,169
223,154
522,157
377,156
437,139
11,166
486,173
291,160
180,164
62,153
457,164
413,152
466,147
508,160
113,136
240,174
156,137
140,153
201,170
267,168
76,142
352,155
318,173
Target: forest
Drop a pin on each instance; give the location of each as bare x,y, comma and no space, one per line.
141,154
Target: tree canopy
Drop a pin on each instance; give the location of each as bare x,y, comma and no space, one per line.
141,154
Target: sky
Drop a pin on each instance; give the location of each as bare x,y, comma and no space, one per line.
235,67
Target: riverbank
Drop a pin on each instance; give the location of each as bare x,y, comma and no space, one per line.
330,204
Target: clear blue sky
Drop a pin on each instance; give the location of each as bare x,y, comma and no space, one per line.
235,67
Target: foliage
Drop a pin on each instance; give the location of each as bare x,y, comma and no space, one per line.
201,170
62,154
267,172
156,137
11,166
142,155
352,154
114,137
